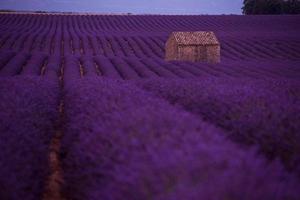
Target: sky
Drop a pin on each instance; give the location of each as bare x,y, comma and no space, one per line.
128,6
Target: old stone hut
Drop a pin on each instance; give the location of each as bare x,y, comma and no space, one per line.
193,46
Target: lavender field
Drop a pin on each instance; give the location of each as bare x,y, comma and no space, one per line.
89,109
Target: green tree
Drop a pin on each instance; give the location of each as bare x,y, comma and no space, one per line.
248,7
255,7
291,7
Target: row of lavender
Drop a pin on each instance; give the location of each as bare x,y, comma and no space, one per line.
132,145
141,46
253,112
142,23
131,68
122,142
90,45
252,37
28,121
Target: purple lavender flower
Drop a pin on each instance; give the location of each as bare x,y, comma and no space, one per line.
123,143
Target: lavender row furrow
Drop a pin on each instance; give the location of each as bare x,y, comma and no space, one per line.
15,65
34,65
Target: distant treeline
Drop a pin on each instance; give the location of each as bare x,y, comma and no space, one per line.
256,7
4,10
55,12
37,11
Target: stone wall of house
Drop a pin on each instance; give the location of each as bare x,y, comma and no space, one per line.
187,53
171,49
192,52
213,54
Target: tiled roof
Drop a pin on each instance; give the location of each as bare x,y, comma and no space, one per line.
196,38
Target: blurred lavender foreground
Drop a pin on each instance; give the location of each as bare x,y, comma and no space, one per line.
133,126
27,123
133,145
